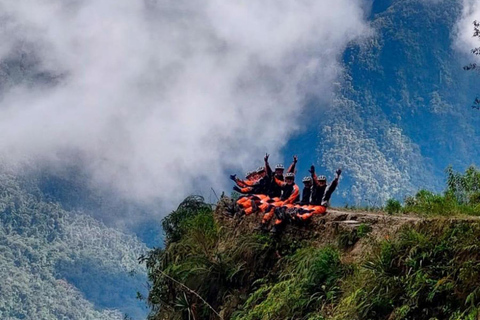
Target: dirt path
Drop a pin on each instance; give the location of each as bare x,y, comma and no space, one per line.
337,225
338,220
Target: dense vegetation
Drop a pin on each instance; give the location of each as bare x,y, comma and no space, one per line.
402,111
425,270
57,264
461,197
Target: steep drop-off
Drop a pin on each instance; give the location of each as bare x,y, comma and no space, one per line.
343,265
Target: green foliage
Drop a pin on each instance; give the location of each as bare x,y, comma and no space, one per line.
427,271
214,263
348,238
432,272
393,206
175,224
308,282
461,197
427,202
464,187
49,255
363,229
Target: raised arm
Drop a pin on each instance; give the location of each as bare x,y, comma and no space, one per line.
314,175
331,188
239,182
292,166
246,183
267,165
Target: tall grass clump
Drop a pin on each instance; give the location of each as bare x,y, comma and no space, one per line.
307,283
429,273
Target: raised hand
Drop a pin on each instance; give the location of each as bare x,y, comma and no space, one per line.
312,169
233,177
266,157
295,159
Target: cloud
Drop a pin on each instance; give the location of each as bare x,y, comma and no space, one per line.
465,41
154,96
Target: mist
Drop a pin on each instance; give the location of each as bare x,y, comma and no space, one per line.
465,41
153,98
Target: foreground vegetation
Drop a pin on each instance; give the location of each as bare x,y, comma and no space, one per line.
428,269
461,197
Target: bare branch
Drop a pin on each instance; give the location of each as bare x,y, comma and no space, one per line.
192,292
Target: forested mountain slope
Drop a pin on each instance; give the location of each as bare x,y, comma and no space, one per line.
401,113
58,264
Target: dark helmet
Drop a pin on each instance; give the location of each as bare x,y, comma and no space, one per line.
289,175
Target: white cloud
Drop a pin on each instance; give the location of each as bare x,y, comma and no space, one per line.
153,95
465,41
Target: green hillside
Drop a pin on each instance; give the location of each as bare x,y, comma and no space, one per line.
401,113
57,264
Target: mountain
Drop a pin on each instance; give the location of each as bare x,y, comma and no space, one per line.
59,264
401,111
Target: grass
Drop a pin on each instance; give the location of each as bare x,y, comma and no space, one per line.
429,273
430,270
307,283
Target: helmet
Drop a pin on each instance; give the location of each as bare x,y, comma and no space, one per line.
249,173
279,166
322,178
290,175
307,179
260,169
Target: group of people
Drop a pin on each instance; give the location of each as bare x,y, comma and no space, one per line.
274,193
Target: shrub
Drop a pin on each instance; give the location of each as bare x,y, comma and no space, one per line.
363,229
174,224
393,206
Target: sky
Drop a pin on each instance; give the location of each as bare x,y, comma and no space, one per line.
153,98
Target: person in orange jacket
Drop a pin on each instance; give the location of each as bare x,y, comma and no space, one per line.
290,191
306,214
258,187
275,190
322,192
318,209
306,198
251,177
290,194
